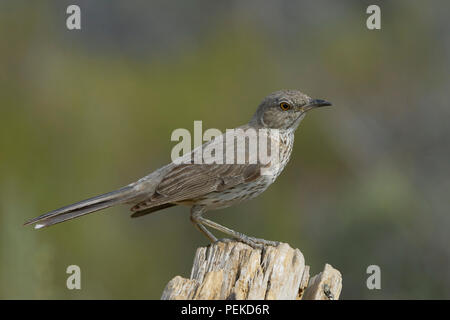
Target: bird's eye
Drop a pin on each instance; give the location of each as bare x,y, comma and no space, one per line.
285,106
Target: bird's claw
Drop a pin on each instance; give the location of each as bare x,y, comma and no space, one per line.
255,243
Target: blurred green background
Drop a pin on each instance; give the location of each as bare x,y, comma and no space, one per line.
85,112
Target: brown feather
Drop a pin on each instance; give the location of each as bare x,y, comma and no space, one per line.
187,182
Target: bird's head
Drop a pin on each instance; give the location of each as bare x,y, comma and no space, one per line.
284,109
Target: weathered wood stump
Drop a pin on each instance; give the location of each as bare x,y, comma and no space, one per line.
234,270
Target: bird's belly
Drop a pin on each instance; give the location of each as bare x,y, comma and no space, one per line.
235,195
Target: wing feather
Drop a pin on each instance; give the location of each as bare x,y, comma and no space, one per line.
189,181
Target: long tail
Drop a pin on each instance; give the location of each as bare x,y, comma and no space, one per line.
83,207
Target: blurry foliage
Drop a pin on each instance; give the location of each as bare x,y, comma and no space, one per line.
85,112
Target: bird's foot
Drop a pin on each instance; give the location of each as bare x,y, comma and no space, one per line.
257,243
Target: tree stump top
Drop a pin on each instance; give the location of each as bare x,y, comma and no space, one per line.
234,270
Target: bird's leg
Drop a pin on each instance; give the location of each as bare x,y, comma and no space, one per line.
199,221
251,241
196,215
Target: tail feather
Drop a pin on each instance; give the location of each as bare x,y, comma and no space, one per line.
83,207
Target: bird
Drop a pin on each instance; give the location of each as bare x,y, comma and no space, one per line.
205,186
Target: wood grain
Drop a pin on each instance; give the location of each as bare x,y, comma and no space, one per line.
234,270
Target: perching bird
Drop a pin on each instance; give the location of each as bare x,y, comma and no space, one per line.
210,185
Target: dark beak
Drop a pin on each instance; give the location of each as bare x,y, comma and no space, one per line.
316,103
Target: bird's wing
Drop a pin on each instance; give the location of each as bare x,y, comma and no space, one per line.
190,181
